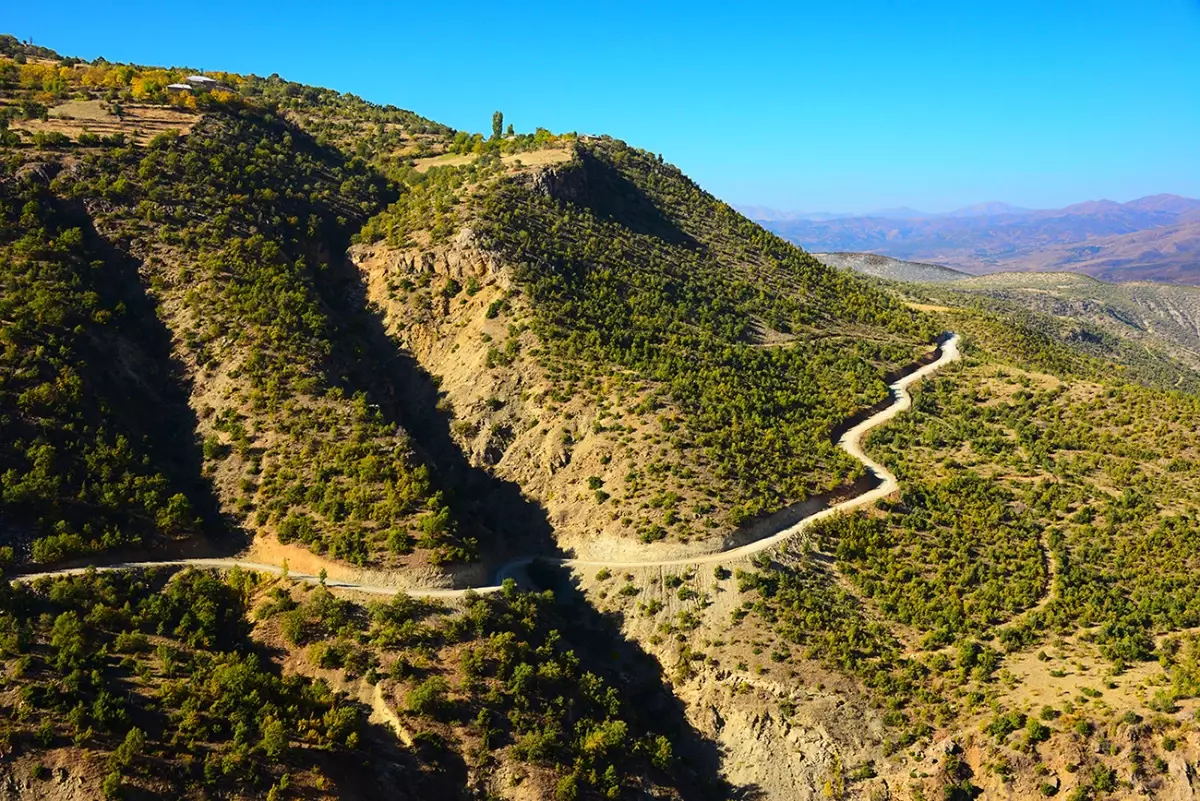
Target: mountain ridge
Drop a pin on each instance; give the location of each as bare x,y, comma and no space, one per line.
1152,238
403,355
1164,201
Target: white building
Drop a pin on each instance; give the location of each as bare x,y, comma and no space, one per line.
201,82
179,89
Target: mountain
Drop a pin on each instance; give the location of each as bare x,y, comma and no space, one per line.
526,468
1169,253
1168,204
993,208
272,321
775,215
1152,238
900,213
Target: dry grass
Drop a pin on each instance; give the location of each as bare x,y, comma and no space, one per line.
929,307
139,123
533,158
84,110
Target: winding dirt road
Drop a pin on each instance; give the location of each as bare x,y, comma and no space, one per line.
851,443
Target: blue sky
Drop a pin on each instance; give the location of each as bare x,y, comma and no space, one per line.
838,106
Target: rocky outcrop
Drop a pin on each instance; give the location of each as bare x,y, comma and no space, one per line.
463,257
565,182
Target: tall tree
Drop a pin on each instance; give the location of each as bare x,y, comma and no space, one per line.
497,124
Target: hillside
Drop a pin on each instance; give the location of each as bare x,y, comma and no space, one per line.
655,366
1161,317
1150,239
266,398
253,401
243,260
396,363
1166,253
890,269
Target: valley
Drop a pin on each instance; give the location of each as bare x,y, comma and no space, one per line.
347,455
885,484
1149,239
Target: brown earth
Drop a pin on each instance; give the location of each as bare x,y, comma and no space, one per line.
140,123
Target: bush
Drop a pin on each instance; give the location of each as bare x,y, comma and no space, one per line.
296,526
51,139
58,546
111,786
1103,779
1005,724
1037,732
428,697
213,448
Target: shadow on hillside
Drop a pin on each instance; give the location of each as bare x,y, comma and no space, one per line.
380,766
611,196
767,525
366,359
408,396
508,523
147,390
597,639
170,413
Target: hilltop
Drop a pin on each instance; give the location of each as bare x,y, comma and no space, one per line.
357,341
261,319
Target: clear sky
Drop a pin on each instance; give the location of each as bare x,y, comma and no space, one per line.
831,106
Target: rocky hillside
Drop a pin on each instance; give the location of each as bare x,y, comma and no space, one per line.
890,269
191,365
270,320
640,358
1161,320
291,322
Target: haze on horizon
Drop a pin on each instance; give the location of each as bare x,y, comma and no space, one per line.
833,107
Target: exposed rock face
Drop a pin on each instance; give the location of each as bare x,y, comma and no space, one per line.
462,258
507,416
566,182
20,781
781,739
38,172
1183,779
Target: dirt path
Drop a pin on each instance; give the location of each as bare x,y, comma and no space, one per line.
851,443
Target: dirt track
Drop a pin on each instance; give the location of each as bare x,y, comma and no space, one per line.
851,442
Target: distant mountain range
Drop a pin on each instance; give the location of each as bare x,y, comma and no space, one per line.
765,213
1152,238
